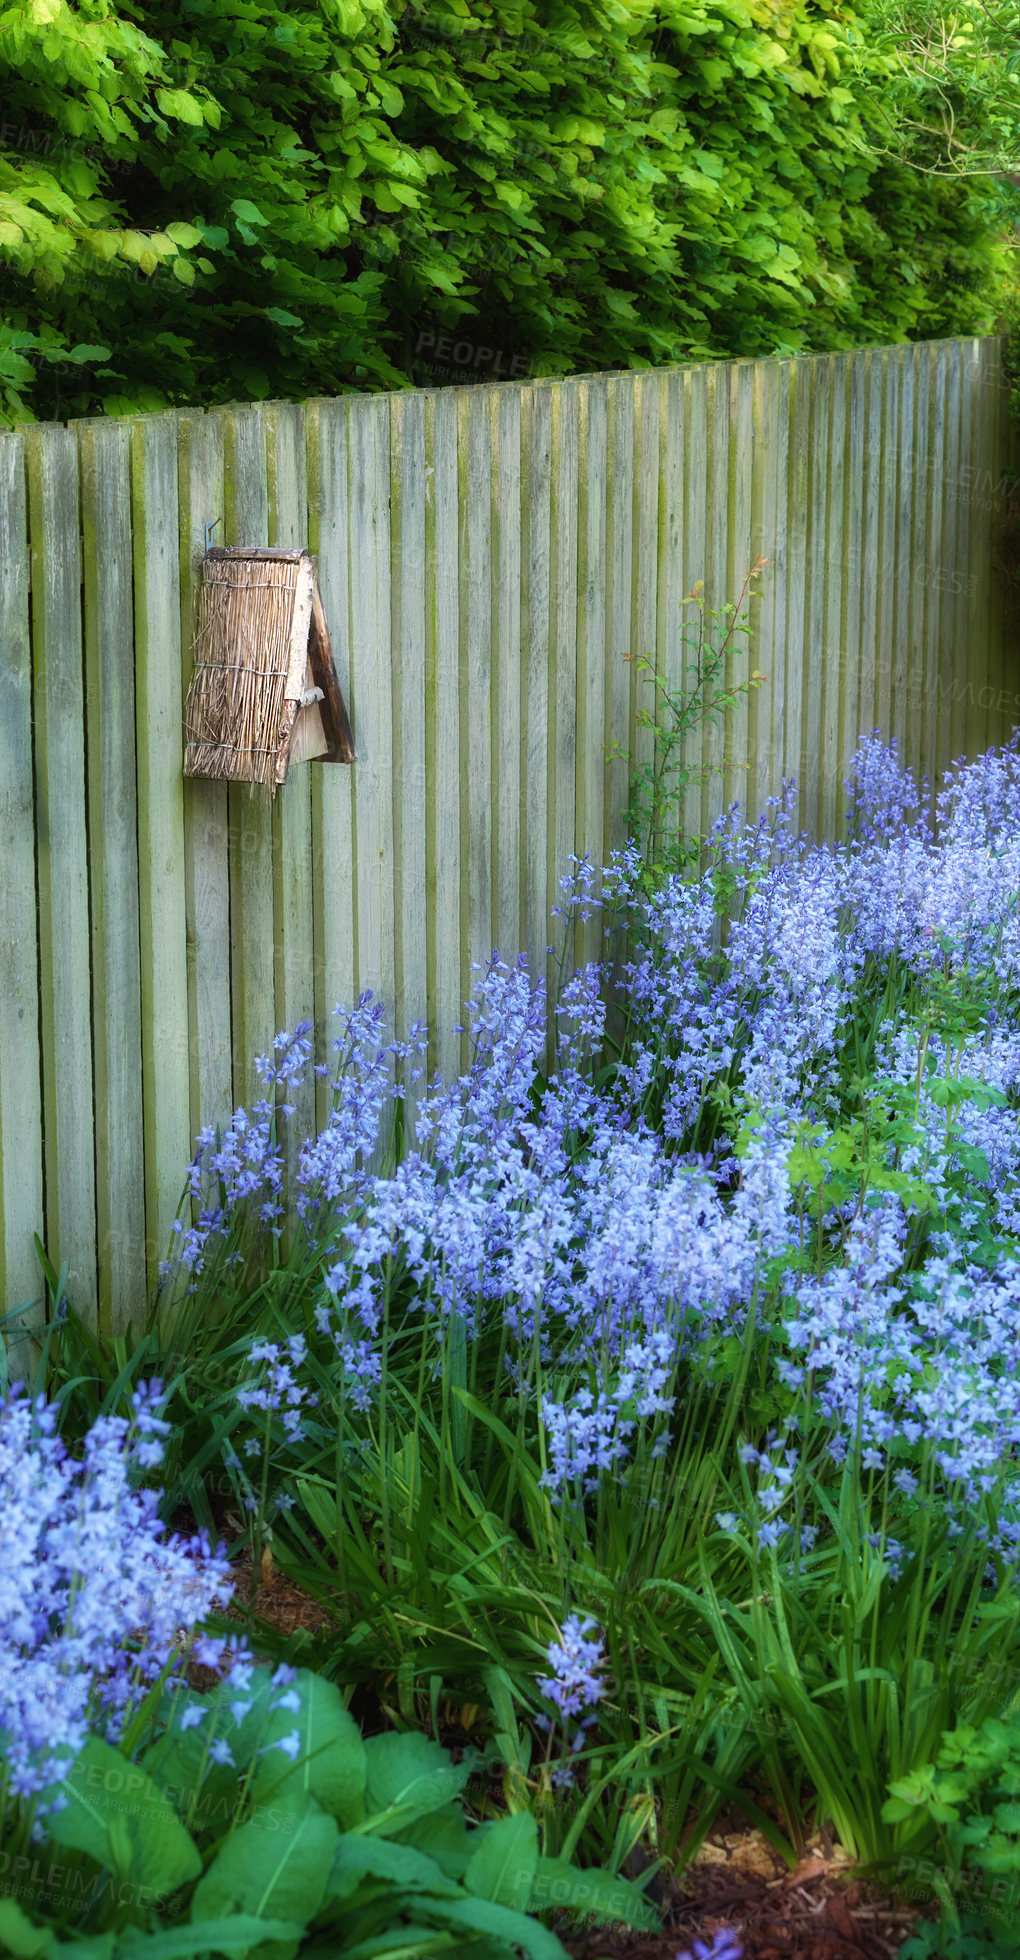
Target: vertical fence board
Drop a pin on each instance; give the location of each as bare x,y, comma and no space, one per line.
871,540
162,908
795,521
971,525
671,619
536,488
252,920
952,735
443,760
105,459
816,579
903,626
696,570
930,706
646,555
738,779
833,676
21,1133
293,897
888,540
206,808
850,571
765,460
372,693
992,608
619,586
591,640
563,643
407,593
717,485
332,788
64,986
474,450
920,580
508,733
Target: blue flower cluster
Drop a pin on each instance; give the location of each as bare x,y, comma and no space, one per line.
615,1227
574,1687
96,1602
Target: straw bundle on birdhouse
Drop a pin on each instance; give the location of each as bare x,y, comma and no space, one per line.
264,692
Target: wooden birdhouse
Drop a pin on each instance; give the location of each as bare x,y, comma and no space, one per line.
264,692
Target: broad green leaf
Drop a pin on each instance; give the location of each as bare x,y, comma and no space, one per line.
408,1774
274,1866
178,103
504,1865
236,1934
444,1837
480,1916
17,1933
358,1858
242,207
558,1883
120,1817
330,1764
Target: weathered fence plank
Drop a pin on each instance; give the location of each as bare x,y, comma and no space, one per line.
371,692
293,942
536,505
332,788
161,888
408,483
443,754
508,734
62,862
105,460
252,909
21,1154
590,691
206,819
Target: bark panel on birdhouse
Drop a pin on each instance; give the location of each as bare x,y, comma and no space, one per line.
264,692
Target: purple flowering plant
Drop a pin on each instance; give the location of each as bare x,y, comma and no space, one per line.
138,1813
697,1321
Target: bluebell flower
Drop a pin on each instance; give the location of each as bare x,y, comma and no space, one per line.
96,1601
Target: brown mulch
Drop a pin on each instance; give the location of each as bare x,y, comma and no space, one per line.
817,1912
276,1600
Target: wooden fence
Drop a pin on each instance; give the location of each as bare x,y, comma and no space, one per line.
491,559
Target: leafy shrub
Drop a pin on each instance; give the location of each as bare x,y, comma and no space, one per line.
206,204
970,1795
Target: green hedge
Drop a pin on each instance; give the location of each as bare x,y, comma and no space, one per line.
230,199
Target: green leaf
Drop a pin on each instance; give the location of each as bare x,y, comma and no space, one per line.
561,1884
358,1858
236,1934
275,1866
243,208
480,1916
442,1836
408,1775
331,1762
503,1866
17,1933
178,103
183,234
119,1816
